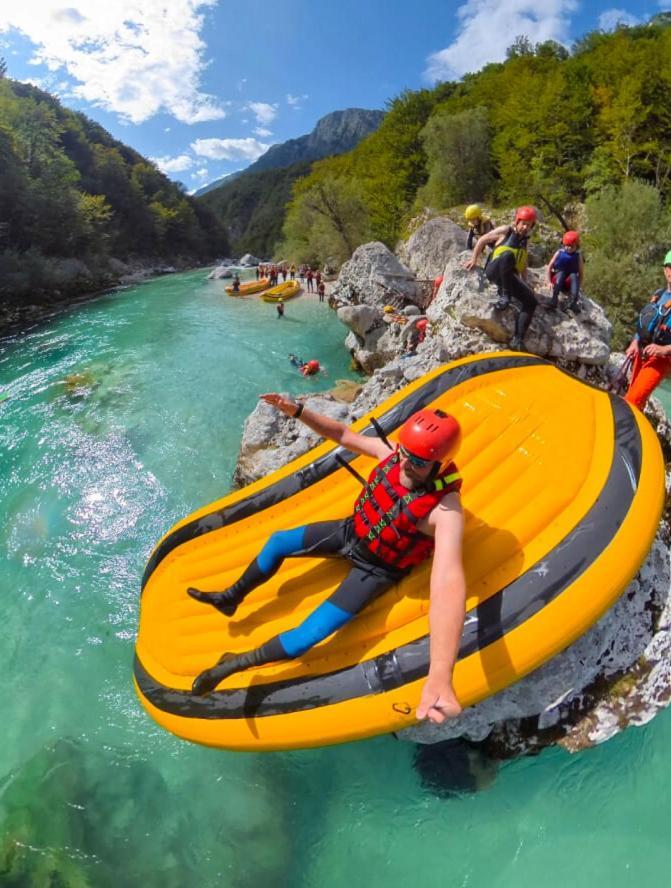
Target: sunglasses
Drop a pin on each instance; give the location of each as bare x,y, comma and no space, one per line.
416,461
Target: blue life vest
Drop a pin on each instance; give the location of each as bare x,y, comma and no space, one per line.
567,262
654,321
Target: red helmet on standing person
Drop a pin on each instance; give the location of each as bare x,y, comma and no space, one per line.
432,435
571,239
526,214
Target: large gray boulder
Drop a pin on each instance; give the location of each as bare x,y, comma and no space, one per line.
221,272
427,251
270,440
373,276
249,261
468,297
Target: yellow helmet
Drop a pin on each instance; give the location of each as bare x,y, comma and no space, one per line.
473,212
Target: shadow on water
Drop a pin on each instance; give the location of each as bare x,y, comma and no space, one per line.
454,768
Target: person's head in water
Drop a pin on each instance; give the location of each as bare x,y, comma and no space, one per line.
427,442
525,219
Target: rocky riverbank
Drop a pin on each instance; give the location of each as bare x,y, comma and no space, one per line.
75,283
618,673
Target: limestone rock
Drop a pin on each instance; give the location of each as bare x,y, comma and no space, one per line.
221,271
361,319
248,261
427,251
373,276
468,297
270,440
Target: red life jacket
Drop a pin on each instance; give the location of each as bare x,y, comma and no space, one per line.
386,513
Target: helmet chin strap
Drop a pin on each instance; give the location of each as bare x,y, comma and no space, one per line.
435,469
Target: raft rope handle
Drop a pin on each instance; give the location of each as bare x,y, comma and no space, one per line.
379,431
343,462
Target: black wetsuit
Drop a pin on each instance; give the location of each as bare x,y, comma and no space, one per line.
504,269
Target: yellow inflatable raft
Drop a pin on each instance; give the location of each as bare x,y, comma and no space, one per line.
249,287
563,491
282,292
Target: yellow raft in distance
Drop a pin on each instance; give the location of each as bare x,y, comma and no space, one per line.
282,292
563,491
249,287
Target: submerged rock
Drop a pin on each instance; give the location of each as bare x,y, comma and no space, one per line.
77,817
454,767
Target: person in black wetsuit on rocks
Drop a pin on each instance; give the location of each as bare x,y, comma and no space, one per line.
408,511
507,268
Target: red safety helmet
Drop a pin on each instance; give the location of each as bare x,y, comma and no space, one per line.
525,214
431,434
571,239
422,324
313,365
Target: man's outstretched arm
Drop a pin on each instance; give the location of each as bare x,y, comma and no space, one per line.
327,427
446,612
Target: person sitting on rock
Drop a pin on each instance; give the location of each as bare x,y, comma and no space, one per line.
415,332
382,542
507,268
479,223
565,272
650,349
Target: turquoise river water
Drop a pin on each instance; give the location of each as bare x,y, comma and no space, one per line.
121,417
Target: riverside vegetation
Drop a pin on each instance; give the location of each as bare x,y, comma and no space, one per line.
77,207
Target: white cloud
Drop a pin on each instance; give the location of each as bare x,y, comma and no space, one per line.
486,29
296,102
611,18
262,132
173,164
201,173
132,58
229,149
263,112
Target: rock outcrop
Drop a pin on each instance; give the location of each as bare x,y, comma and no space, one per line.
249,261
619,672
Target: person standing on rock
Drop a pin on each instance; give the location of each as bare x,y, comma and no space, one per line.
507,268
310,278
409,510
650,349
321,289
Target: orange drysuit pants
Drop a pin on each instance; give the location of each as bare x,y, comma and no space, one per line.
646,375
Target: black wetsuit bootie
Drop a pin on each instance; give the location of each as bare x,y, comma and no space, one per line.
229,664
502,303
516,344
227,601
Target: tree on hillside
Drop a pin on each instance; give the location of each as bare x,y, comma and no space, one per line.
327,220
628,234
459,163
521,46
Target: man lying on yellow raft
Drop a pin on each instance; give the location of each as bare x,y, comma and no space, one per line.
408,510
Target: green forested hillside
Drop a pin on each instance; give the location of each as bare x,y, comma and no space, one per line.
72,198
251,208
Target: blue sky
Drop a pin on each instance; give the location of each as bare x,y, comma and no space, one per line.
203,87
